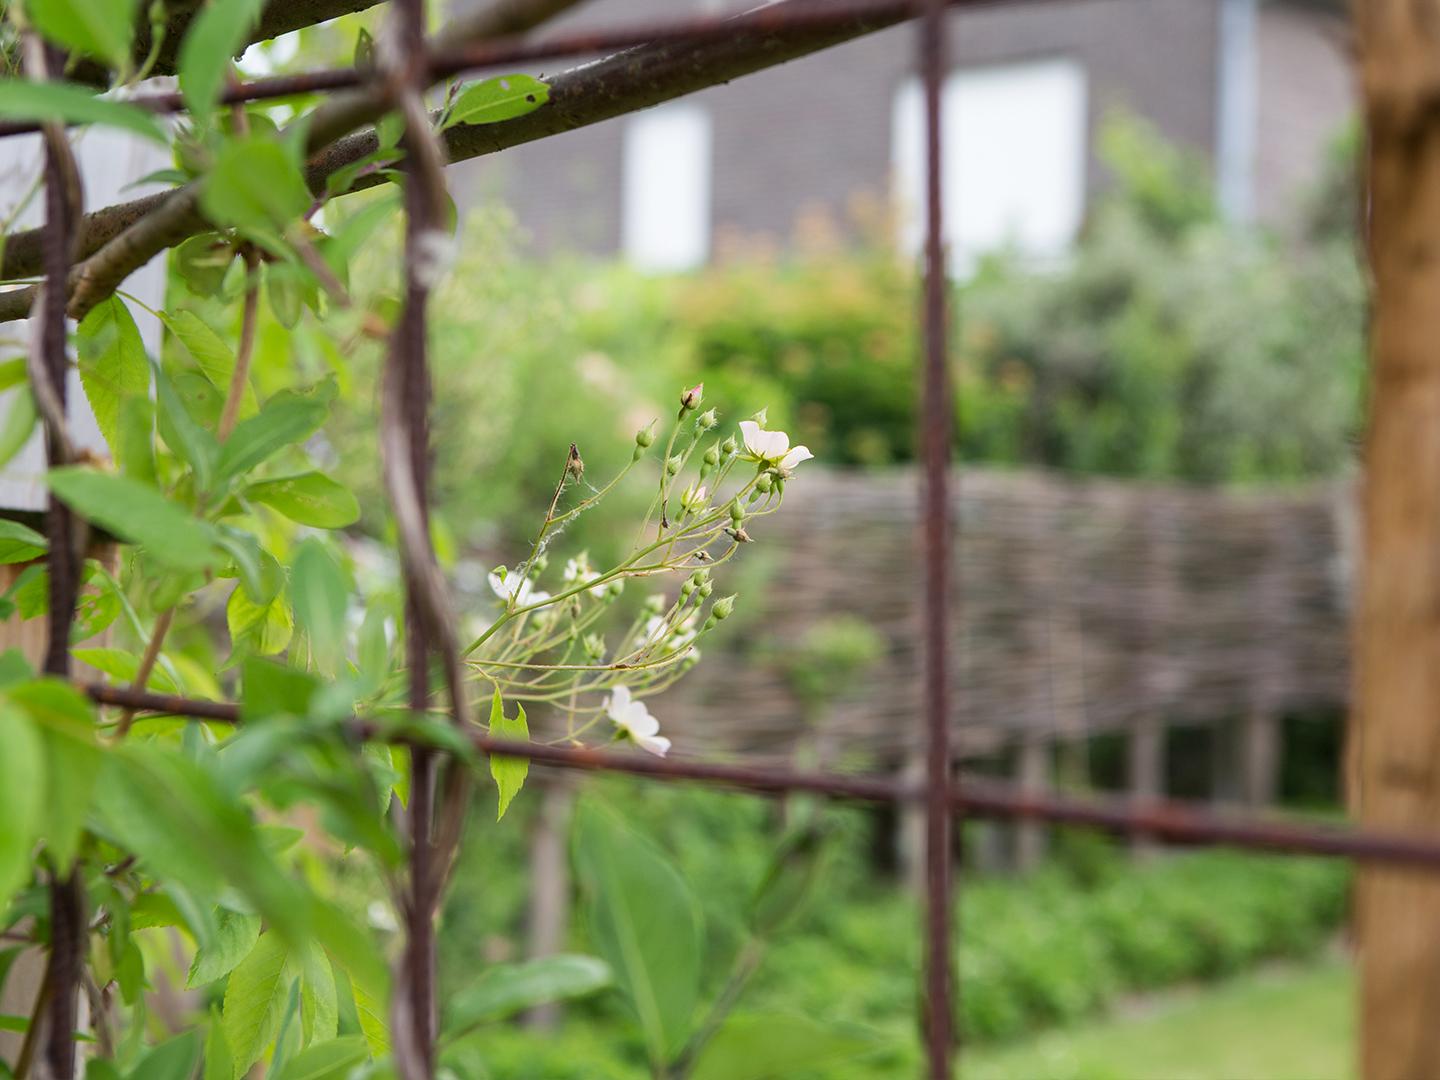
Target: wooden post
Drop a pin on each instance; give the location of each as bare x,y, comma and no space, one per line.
1145,771
1034,775
550,884
1395,732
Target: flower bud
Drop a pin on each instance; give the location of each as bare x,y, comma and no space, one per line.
686,589
764,484
737,512
712,457
706,589
740,536
691,398
723,607
594,646
672,466
644,437
729,447
761,418
708,419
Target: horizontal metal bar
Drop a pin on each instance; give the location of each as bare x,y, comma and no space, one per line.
1166,822
445,63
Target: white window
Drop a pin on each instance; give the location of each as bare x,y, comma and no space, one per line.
665,211
1013,170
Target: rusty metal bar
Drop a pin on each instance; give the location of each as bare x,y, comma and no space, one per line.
445,63
935,416
1168,822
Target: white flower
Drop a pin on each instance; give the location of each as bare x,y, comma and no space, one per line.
693,499
517,588
658,629
579,572
634,719
772,447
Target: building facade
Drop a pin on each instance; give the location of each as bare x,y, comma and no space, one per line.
1257,87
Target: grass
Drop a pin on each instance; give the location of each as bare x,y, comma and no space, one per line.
1278,1024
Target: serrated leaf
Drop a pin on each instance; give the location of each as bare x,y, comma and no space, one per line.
319,1004
235,935
501,98
103,29
113,366
255,1000
287,418
137,514
67,103
22,797
370,1011
308,499
509,772
502,990
211,42
19,543
255,185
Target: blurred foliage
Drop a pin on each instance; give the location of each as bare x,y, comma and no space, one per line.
1040,949
1164,346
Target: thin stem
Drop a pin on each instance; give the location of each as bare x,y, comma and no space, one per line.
147,666
240,377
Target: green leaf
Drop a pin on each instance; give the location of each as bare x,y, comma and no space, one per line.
259,571
311,498
645,923
173,1060
370,1011
203,261
65,719
319,1004
211,42
137,514
255,185
264,629
509,772
135,445
19,423
269,689
255,1000
19,543
774,1047
67,103
113,365
330,1060
99,1069
103,29
123,667
218,1063
235,935
503,990
177,817
209,351
501,98
196,446
288,417
22,797
319,594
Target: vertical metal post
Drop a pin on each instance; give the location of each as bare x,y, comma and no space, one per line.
936,405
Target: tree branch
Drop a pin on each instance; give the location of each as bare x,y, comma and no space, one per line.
625,82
